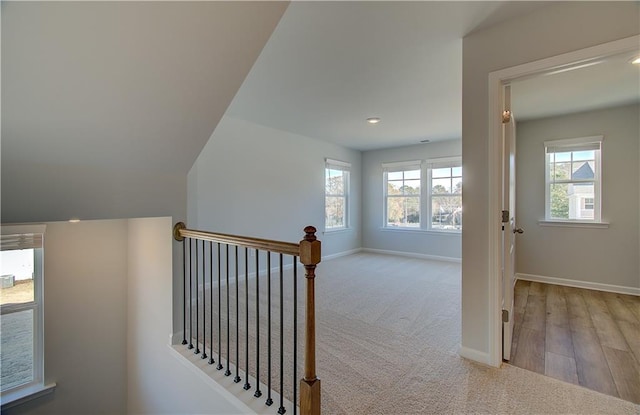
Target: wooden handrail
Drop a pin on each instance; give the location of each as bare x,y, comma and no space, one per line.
180,232
309,252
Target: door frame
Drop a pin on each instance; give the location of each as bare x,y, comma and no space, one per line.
497,80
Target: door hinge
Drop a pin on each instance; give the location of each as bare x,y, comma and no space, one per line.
506,116
505,316
505,216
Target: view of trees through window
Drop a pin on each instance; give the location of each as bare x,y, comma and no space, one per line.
403,198
335,198
446,198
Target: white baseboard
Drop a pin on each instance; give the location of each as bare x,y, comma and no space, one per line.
579,284
475,355
341,254
412,255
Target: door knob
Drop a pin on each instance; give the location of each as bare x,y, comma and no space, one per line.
518,230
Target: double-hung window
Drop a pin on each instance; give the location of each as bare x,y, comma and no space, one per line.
336,199
21,301
445,193
402,190
573,185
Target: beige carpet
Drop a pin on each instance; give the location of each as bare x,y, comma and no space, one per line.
388,331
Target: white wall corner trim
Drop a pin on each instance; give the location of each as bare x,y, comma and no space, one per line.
413,255
579,284
475,355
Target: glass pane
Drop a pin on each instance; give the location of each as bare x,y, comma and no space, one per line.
582,170
581,201
444,172
403,211
334,212
412,174
411,187
559,195
562,171
583,155
393,188
440,186
16,281
394,175
446,212
456,171
457,185
16,355
566,156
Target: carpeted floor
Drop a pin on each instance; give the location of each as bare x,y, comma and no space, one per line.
388,331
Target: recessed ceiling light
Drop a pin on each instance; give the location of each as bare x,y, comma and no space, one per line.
636,60
425,141
74,220
373,120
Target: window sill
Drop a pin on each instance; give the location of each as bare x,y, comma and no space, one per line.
337,230
419,230
22,395
574,224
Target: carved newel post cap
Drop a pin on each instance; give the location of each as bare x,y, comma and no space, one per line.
310,232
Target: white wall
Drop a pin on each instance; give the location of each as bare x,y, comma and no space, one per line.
85,291
157,382
605,256
552,30
419,242
258,181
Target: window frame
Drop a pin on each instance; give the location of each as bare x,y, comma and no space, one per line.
439,163
395,167
345,167
594,143
36,385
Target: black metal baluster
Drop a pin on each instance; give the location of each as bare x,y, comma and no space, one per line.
257,394
184,296
237,378
295,334
228,372
219,367
247,385
190,296
197,306
281,410
204,305
269,401
211,361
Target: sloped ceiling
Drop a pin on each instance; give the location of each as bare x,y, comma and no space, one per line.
113,87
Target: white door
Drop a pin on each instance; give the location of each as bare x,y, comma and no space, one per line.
509,227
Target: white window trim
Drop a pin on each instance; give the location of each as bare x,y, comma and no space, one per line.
345,167
442,162
36,387
571,144
394,167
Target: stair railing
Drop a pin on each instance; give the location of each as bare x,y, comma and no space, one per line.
228,260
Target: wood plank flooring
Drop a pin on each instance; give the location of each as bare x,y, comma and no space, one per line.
586,337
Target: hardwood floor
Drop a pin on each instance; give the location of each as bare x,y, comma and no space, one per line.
586,337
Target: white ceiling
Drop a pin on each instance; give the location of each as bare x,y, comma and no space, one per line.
330,65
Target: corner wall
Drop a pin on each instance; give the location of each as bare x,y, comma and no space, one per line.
603,256
438,244
552,30
258,181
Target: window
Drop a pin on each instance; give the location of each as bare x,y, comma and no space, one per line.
445,193
402,184
336,199
21,267
406,203
572,174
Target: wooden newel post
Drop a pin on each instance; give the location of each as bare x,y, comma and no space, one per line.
310,254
